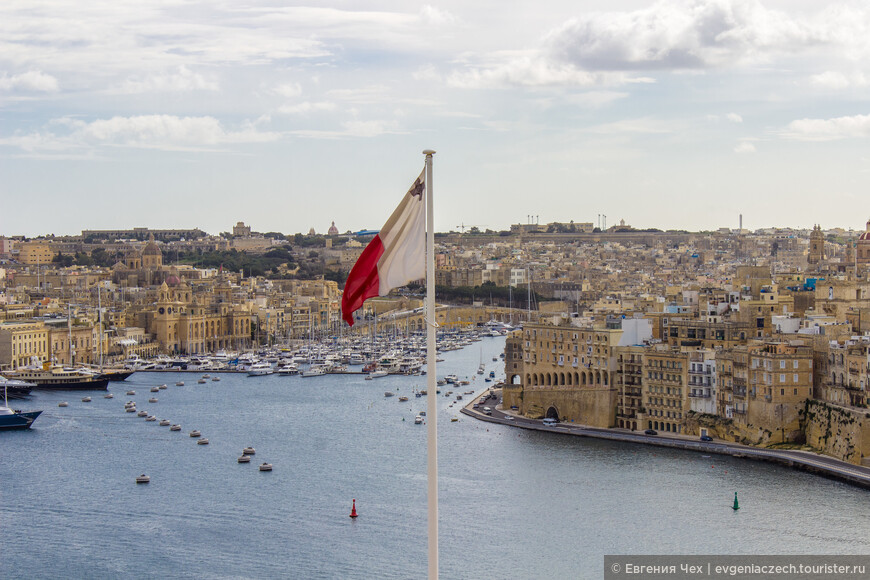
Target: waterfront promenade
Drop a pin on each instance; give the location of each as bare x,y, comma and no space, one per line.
804,460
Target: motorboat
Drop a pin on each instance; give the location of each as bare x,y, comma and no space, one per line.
143,479
13,418
418,419
15,389
86,399
389,394
164,423
63,404
244,459
249,451
57,377
266,467
175,427
202,441
314,371
260,368
195,433
403,399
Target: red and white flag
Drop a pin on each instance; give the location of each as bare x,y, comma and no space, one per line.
396,256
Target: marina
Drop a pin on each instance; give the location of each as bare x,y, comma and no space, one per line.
335,438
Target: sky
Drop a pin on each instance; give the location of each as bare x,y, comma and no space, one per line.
676,114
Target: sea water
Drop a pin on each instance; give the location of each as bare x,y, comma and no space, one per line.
513,503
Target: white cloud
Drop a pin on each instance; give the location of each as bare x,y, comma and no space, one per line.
674,34
182,80
354,128
436,16
287,89
144,131
534,71
744,147
837,80
306,107
734,118
828,129
30,81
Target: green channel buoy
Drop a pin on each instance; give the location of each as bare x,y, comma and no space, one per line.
736,505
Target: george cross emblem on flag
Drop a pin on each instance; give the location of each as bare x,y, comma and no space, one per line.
417,188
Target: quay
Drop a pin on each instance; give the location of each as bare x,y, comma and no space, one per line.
803,460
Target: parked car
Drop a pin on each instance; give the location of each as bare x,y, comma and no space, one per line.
550,421
706,438
651,432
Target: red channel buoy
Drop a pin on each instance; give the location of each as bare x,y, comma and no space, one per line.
353,513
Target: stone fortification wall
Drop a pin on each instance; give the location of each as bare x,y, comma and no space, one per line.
595,407
840,432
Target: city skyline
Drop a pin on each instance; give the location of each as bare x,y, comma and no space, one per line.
670,114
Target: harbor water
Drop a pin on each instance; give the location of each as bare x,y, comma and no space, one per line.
513,503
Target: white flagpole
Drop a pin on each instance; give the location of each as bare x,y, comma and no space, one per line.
431,387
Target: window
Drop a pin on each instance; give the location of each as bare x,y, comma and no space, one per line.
782,364
795,364
782,378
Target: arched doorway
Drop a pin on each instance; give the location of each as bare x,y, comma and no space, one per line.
552,413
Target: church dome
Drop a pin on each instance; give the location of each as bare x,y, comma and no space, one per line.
172,280
151,249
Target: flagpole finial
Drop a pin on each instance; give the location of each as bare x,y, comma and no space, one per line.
428,152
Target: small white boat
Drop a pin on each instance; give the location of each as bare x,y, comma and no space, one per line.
215,378
179,384
155,389
195,433
244,459
86,399
164,423
143,479
63,404
131,392
152,400
150,418
266,467
389,394
378,374
202,441
142,414
202,381
175,427
249,451
206,376
162,387
418,419
108,396
131,409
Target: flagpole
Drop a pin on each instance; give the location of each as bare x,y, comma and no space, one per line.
431,387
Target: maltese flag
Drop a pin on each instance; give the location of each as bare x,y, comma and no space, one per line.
396,256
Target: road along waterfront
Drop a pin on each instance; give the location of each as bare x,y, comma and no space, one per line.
807,461
514,503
